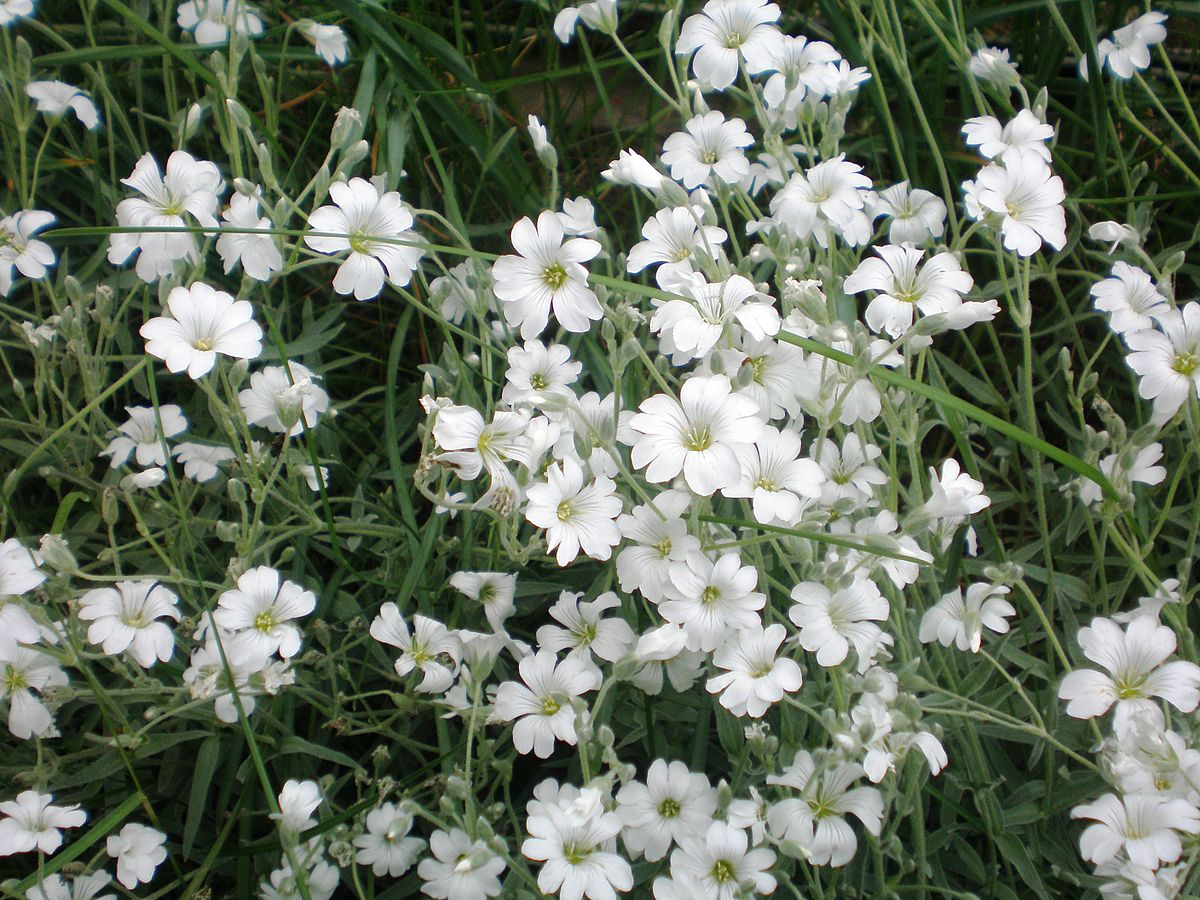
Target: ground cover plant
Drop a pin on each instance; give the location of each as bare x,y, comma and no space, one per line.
669,450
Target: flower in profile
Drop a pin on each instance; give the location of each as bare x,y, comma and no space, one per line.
673,804
494,590
188,192
709,600
284,400
1027,199
546,273
20,250
210,21
138,435
709,147
574,843
460,869
376,227
1134,659
258,253
14,10
297,802
202,323
126,618
20,573
80,887
754,677
913,214
831,622
385,845
1128,50
329,41
24,671
1130,297
429,648
728,32
816,820
543,705
1145,826
600,15
903,285
138,850
471,445
54,98
260,610
630,167
721,862
992,65
577,516
959,621
31,822
1167,361
704,434
1114,234
801,76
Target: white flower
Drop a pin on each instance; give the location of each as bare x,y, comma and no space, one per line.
213,673
709,147
1134,659
710,599
430,648
630,167
903,286
600,15
992,64
831,622
817,819
829,198
578,218
189,190
675,241
802,75
575,845
539,374
914,214
722,863
705,434
203,322
1124,472
1115,234
31,823
1145,826
143,481
258,253
138,850
1128,50
20,250
284,400
81,887
1130,297
584,631
728,31
260,610
1167,361
660,537
23,671
543,706
494,590
953,620
472,446
54,98
577,517
19,572
690,328
460,869
210,20
125,617
201,462
661,652
1025,132
297,802
954,494
754,678
776,479
385,845
1027,198
376,228
546,274
139,435
14,10
328,40
673,804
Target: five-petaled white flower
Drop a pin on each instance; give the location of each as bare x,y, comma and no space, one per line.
754,676
460,868
543,705
577,516
1167,361
959,621
546,273
210,21
831,622
260,610
729,31
709,147
138,850
31,823
376,227
20,250
126,617
708,599
202,323
429,647
1027,199
673,804
903,285
54,98
258,253
1145,826
1130,297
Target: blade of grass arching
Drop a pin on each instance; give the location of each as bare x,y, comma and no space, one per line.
400,484
81,844
187,60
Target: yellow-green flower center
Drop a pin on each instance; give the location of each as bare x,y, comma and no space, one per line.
555,276
1186,364
697,439
669,808
723,871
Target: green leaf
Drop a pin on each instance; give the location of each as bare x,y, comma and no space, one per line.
205,767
